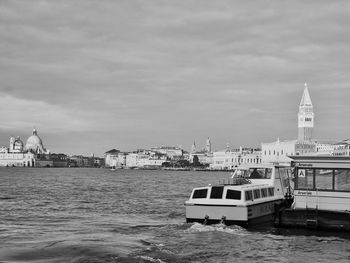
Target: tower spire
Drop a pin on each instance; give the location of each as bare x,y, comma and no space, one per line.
306,100
305,117
194,146
208,145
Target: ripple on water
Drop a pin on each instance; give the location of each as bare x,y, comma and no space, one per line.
93,215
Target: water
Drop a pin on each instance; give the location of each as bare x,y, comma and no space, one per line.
97,215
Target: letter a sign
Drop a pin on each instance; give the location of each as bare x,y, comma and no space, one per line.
301,173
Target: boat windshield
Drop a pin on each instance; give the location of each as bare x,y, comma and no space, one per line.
253,173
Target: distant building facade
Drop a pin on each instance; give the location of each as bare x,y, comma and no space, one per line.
59,160
169,151
342,148
115,158
280,150
18,159
18,154
325,147
229,159
205,155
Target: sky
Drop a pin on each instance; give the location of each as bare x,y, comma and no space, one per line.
91,76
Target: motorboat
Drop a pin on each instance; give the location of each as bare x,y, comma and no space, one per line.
248,198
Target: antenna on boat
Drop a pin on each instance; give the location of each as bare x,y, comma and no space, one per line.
233,174
236,173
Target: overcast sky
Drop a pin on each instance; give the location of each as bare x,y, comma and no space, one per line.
97,75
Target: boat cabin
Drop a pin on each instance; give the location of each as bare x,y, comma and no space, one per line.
248,183
231,192
322,182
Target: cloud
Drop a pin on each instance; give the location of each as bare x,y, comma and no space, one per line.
21,114
171,70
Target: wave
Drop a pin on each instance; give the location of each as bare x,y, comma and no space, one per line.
150,259
234,230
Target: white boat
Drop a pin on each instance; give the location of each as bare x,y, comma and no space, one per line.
321,194
248,198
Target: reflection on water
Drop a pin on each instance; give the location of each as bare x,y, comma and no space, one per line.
96,215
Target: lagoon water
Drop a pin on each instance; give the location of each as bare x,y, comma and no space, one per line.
98,215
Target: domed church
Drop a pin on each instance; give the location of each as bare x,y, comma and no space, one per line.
35,144
32,154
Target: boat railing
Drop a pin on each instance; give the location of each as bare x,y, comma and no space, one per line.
235,181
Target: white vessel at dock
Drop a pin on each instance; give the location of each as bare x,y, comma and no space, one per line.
321,194
249,197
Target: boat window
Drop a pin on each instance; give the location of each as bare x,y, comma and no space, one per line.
260,173
324,179
264,192
256,193
248,195
257,173
268,173
271,191
201,193
342,180
233,194
216,192
305,179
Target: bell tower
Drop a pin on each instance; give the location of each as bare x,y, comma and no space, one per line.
305,117
208,145
194,148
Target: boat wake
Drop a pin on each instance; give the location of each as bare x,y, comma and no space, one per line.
233,230
150,259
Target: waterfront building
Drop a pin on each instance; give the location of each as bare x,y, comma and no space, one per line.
43,160
228,159
151,159
170,151
342,148
145,159
132,160
205,156
279,151
324,147
82,161
29,155
76,161
59,159
18,159
115,158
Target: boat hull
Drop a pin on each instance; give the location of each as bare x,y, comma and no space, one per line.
314,219
256,222
251,215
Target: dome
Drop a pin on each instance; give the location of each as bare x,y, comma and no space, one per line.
34,143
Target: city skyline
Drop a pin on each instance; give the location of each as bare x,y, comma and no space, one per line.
92,75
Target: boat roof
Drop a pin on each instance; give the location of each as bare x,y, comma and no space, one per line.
260,165
321,161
